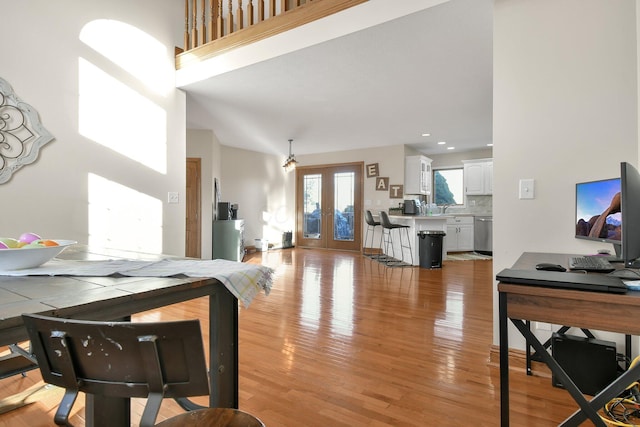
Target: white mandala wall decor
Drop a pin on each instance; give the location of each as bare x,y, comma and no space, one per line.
21,133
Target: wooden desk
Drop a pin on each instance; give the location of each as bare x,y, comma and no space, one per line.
582,309
116,298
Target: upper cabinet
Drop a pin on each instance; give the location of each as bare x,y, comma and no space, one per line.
478,177
417,175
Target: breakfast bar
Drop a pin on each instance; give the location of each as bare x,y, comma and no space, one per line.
416,224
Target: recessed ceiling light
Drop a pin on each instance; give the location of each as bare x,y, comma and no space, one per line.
426,134
451,148
441,142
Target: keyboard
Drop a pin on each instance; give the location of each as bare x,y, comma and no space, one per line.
596,264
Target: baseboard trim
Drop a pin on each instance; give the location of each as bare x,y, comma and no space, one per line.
518,362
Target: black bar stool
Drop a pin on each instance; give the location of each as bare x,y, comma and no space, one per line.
371,226
387,230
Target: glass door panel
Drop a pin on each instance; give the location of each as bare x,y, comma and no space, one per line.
343,203
312,214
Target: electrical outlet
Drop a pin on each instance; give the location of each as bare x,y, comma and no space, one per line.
542,326
173,197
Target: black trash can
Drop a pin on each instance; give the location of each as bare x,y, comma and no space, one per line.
287,239
430,250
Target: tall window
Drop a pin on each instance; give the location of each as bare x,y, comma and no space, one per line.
448,185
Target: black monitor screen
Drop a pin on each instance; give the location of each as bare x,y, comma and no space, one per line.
598,211
631,213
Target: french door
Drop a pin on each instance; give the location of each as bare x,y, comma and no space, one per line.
329,206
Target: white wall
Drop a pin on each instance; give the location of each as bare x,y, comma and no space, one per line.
264,192
56,72
390,162
565,111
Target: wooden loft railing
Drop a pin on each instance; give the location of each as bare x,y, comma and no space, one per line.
213,27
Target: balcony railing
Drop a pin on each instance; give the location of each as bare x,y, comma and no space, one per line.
213,27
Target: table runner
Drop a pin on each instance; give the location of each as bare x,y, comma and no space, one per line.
243,280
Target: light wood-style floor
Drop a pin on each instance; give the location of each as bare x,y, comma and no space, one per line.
344,341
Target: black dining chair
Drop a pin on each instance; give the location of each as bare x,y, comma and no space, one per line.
153,360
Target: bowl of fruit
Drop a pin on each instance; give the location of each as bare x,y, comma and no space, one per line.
29,250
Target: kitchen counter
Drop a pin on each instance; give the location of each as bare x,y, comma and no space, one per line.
446,215
422,216
418,223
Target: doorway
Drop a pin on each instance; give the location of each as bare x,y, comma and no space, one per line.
329,206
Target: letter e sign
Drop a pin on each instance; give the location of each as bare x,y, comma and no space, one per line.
372,170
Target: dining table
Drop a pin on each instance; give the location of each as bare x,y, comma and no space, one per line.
105,284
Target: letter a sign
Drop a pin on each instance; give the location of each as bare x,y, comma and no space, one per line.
382,184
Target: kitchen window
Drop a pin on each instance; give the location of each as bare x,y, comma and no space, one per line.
448,186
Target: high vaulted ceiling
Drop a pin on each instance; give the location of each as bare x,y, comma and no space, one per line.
426,72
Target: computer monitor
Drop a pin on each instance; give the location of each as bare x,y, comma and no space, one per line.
598,212
630,189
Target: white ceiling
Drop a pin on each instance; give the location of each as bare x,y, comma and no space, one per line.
429,71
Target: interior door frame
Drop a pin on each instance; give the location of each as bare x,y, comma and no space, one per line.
327,209
193,208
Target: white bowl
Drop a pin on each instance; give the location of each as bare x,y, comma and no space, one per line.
15,259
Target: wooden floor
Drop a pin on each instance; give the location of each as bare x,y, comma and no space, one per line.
344,341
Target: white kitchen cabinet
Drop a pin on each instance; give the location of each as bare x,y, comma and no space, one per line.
459,234
478,177
417,175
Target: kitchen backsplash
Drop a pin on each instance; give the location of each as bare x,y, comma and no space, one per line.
477,205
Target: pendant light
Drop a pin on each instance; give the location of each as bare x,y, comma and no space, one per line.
290,163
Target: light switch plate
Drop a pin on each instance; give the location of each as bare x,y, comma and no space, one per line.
173,197
527,190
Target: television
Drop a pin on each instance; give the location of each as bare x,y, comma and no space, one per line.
630,190
598,212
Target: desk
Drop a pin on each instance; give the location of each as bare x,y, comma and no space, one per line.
116,298
582,309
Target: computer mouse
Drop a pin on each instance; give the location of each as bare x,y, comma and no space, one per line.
546,266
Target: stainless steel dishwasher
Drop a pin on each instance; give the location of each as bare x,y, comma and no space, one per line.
483,234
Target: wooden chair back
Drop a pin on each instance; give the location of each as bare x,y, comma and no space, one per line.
119,359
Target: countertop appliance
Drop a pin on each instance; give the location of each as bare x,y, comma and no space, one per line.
224,211
483,234
411,207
